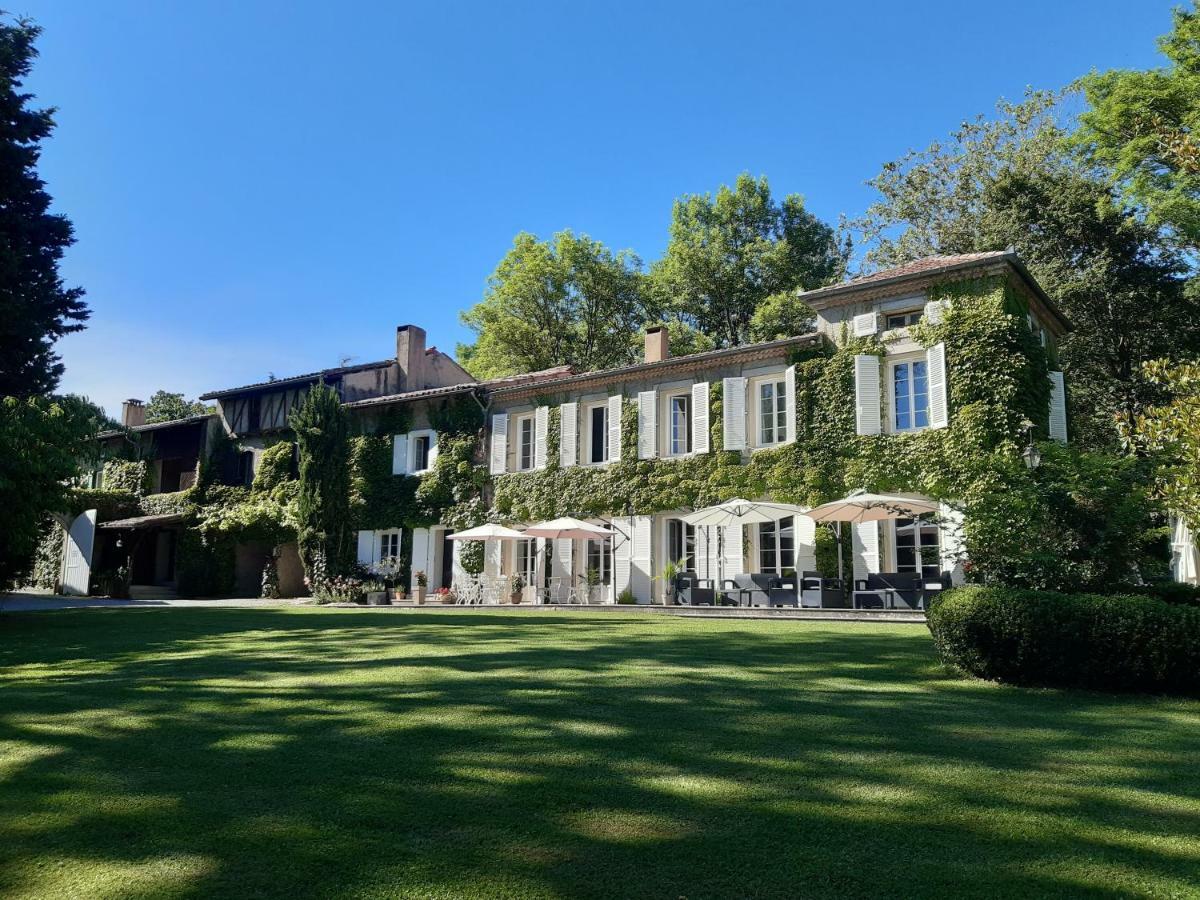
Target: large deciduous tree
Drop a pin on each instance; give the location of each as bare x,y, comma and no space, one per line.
1143,126
35,307
322,430
1170,432
566,301
167,407
42,441
1013,182
729,252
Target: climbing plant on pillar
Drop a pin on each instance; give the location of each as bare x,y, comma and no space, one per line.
322,431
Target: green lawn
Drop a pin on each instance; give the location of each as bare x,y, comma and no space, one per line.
303,753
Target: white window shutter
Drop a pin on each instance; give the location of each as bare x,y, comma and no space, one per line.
399,454
733,418
614,428
952,544
865,541
732,551
700,417
867,415
493,564
563,551
939,405
433,449
366,547
541,429
647,424
935,312
805,530
1058,407
499,443
641,571
866,324
568,433
420,557
789,401
622,555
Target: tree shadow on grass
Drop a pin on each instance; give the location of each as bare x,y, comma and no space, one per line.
305,753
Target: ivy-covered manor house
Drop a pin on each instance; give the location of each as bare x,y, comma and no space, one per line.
912,381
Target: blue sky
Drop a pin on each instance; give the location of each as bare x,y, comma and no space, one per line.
272,187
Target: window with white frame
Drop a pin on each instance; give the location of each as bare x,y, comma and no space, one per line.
902,319
679,424
599,560
918,546
524,443
681,544
388,544
420,447
772,412
777,547
526,561
910,395
596,424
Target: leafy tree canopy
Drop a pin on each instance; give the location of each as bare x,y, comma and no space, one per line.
1170,431
566,301
1144,128
42,441
167,407
729,252
35,307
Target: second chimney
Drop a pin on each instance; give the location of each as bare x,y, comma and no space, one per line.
410,356
657,347
133,413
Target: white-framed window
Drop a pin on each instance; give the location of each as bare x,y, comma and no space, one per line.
902,319
421,450
771,397
595,430
524,430
525,560
679,424
387,544
681,544
599,559
910,395
777,547
917,544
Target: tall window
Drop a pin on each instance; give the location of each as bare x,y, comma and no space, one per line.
599,555
421,452
772,413
598,434
777,546
525,443
526,561
389,544
679,421
681,544
918,547
910,392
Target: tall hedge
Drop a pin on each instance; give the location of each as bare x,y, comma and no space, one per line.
1103,642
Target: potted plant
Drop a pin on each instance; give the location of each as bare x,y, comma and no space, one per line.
422,582
446,596
387,569
377,594
669,573
516,584
592,580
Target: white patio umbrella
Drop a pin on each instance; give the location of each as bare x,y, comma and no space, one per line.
488,532
738,512
568,528
861,506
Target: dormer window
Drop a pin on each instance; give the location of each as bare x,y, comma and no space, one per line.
903,319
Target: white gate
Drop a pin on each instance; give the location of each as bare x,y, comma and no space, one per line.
77,554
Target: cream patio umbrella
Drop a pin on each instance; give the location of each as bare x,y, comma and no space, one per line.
738,512
569,529
488,532
861,506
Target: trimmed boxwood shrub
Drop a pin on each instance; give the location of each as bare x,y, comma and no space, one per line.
1105,642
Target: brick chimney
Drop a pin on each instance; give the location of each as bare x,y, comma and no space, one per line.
133,413
657,348
410,356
